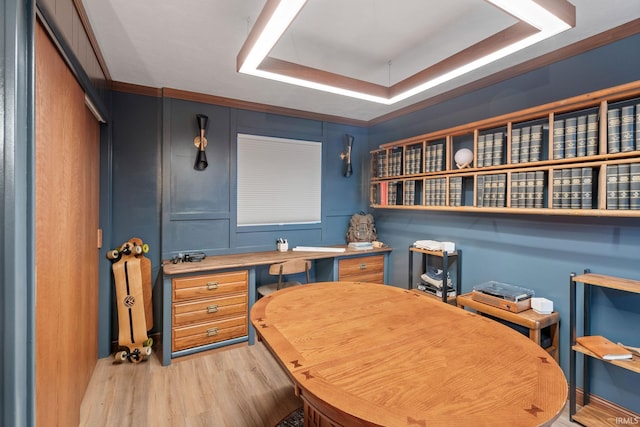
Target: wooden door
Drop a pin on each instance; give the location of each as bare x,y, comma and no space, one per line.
66,254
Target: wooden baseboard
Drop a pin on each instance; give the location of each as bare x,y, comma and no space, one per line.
610,407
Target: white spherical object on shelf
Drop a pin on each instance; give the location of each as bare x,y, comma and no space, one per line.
463,158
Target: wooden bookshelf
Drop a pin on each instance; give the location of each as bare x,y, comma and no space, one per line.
420,173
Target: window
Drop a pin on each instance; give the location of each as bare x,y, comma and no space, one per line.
279,181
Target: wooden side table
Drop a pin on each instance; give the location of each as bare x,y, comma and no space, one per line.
529,319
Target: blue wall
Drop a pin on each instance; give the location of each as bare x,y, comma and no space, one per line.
537,252
158,196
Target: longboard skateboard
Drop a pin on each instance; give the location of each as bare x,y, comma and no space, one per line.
145,267
132,327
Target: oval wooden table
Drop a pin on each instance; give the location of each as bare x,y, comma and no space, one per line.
362,354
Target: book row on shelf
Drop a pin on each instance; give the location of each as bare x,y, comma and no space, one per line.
571,188
623,186
572,137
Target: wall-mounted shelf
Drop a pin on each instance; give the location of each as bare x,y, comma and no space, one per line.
578,156
589,415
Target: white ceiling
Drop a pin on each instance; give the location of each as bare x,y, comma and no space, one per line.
192,45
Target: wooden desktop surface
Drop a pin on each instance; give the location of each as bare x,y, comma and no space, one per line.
366,355
250,259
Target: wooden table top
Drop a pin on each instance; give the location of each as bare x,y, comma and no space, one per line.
366,354
251,259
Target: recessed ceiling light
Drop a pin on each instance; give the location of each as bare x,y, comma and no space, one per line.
539,20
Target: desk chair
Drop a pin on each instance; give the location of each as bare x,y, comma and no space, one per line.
281,269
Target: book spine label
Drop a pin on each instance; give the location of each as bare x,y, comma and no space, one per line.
581,136
535,143
627,133
613,131
515,145
612,187
439,157
592,134
558,139
634,186
623,186
587,188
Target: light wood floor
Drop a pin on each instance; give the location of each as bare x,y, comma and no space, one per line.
240,387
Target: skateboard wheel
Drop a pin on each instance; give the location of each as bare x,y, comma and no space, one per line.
135,356
145,248
113,254
148,342
121,356
137,250
147,351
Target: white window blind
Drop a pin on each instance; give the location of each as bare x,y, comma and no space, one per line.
279,181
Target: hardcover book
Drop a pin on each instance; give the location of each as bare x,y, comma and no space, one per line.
480,191
634,186
557,189
581,138
570,137
612,187
592,134
637,126
480,154
627,133
566,189
501,190
488,149
576,188
558,139
522,190
623,186
530,191
525,141
603,348
515,145
498,148
587,188
439,157
535,143
538,193
515,188
613,131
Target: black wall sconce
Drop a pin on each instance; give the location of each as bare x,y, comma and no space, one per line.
200,141
347,170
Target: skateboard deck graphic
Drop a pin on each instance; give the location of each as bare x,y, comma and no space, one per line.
130,300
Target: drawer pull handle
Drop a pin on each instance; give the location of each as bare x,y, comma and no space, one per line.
363,266
212,332
212,286
212,309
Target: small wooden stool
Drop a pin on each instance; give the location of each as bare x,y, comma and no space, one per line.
529,319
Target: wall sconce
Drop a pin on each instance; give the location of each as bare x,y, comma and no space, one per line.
200,141
346,156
